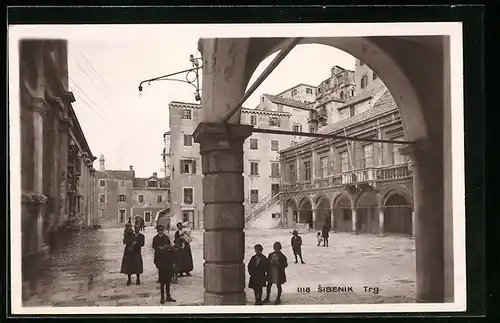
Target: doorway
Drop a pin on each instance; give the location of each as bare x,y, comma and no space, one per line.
275,189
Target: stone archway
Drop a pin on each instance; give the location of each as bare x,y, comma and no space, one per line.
323,212
291,213
305,211
367,220
398,216
342,209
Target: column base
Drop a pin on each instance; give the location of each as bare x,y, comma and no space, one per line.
238,298
354,233
381,234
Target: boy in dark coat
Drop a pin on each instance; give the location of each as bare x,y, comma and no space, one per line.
257,268
325,232
276,273
163,259
296,243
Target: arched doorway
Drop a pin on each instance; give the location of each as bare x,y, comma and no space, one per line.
323,212
305,211
343,214
291,213
367,213
398,216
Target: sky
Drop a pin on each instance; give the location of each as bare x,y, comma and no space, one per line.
127,127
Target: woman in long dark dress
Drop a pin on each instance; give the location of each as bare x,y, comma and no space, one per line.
276,273
132,258
184,263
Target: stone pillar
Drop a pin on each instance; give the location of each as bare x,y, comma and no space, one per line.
381,220
315,216
412,223
333,224
354,222
221,148
65,125
429,220
297,165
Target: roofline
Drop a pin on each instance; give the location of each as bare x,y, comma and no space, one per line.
303,108
295,87
185,104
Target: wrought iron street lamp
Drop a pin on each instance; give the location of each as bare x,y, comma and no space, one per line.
191,77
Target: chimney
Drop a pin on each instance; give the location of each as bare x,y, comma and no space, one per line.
102,167
155,174
131,167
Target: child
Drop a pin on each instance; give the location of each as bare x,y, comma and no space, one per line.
257,268
176,249
296,243
276,273
319,237
163,260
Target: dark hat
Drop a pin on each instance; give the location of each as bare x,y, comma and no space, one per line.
160,226
258,246
295,232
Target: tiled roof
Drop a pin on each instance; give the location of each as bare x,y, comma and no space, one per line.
142,182
361,97
385,104
293,87
287,102
178,104
267,112
117,174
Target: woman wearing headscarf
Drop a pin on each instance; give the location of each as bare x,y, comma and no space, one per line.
182,238
132,258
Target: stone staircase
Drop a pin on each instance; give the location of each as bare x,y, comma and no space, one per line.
258,209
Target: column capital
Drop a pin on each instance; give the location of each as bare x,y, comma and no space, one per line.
65,122
220,136
39,105
68,97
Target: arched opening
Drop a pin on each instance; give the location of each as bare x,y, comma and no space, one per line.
291,213
366,213
343,214
323,213
398,216
305,211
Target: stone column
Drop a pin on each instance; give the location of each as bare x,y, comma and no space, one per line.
297,165
413,224
315,216
354,222
221,148
381,220
429,220
333,224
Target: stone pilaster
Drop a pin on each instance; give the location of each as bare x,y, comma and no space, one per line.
354,222
65,124
221,148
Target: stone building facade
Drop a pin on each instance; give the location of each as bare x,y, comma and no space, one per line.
166,155
57,174
150,198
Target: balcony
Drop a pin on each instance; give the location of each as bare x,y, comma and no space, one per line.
357,176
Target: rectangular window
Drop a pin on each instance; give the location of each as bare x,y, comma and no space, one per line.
275,169
274,121
121,215
368,155
344,159
186,114
312,129
364,81
101,213
293,173
140,198
188,216
102,182
254,168
122,198
188,196
309,90
102,198
152,184
397,158
188,166
188,140
254,196
324,166
307,170
297,128
147,216
275,145
159,198
254,144
294,92
253,120
352,111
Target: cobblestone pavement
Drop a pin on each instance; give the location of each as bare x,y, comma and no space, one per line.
88,272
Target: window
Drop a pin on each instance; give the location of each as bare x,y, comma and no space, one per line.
375,76
275,145
338,80
293,173
280,107
254,144
352,111
324,166
253,120
159,198
188,196
147,216
364,81
312,129
275,169
188,166
102,198
188,216
102,182
121,215
342,95
297,128
254,168
254,196
368,155
307,170
344,161
140,198
122,198
186,114
352,92
101,213
152,183
294,92
309,90
397,158
274,121
188,140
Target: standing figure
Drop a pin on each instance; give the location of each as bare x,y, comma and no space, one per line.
296,243
143,224
257,269
325,233
163,260
320,238
176,250
276,274
182,238
132,258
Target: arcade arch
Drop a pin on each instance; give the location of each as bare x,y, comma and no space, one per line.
291,212
367,220
305,211
323,212
398,215
343,215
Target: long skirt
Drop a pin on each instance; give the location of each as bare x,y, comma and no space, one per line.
131,262
184,263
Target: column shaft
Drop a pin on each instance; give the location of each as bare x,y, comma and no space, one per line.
381,224
354,222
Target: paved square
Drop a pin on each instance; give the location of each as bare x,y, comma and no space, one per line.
88,272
